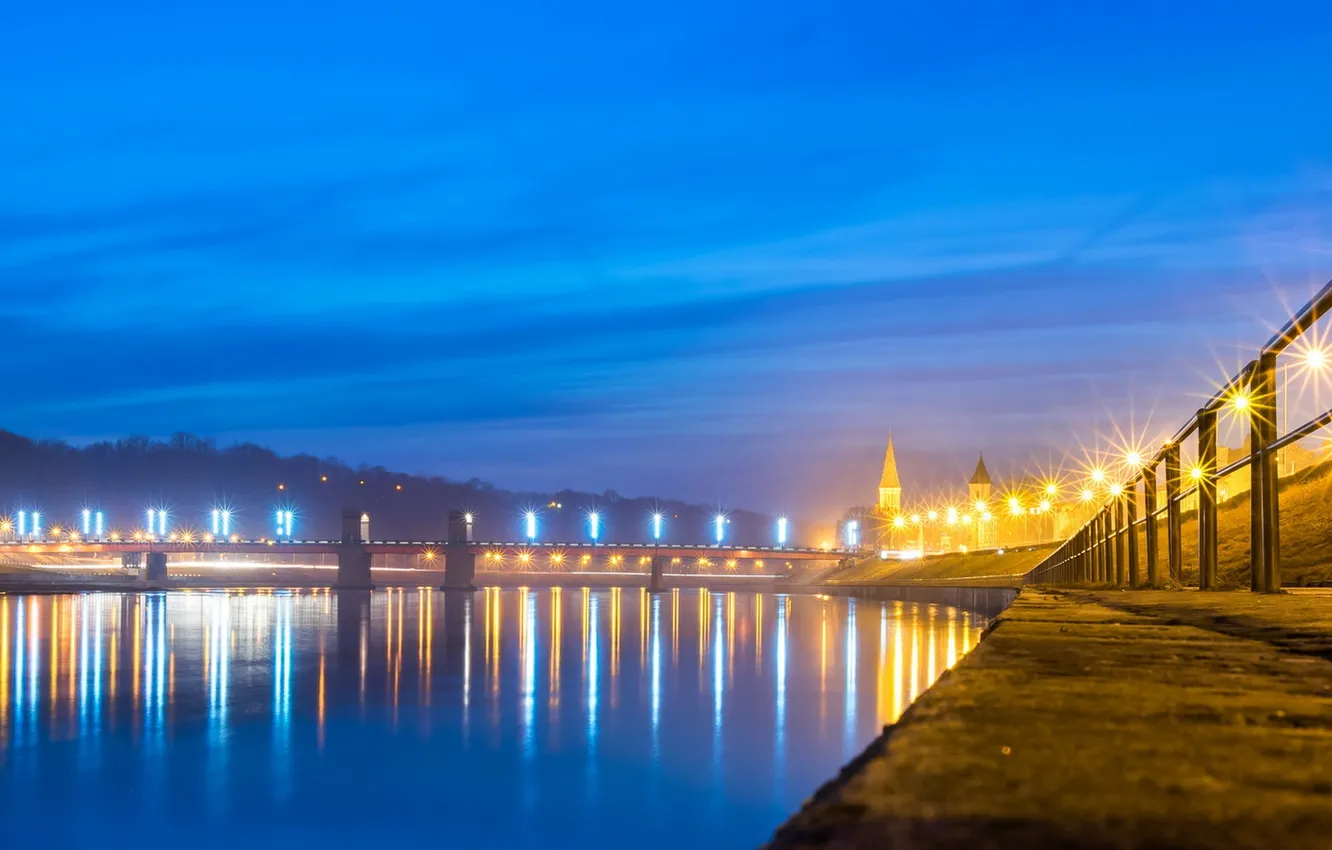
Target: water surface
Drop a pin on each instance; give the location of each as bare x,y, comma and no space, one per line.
406,717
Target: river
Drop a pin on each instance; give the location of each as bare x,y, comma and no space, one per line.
553,718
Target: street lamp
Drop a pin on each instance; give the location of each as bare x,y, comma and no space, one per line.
530,525
781,532
157,522
657,520
594,525
852,534
719,524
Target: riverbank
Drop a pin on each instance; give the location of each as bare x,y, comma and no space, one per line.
1107,720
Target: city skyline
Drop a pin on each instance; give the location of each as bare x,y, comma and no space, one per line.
718,257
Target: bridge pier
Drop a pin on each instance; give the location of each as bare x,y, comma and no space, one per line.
656,583
155,566
353,558
459,560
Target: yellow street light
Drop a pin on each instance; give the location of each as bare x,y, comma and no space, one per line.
1196,473
1133,458
1087,494
915,519
1116,489
1052,489
1045,505
1098,475
1316,359
899,522
933,515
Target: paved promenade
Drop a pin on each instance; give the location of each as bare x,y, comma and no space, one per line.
1107,719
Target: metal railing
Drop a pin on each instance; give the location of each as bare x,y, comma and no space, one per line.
1105,549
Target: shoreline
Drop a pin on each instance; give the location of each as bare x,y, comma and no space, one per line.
1105,719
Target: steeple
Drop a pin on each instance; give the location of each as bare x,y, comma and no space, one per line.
890,486
889,477
981,475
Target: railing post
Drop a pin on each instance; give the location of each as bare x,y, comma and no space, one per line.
1118,524
1084,559
1149,516
1131,530
1103,543
1207,499
1098,531
1265,502
1174,522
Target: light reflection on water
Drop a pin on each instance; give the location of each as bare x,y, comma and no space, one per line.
515,717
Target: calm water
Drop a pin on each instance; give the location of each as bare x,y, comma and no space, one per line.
544,718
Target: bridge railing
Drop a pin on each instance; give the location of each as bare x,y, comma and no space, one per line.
1105,549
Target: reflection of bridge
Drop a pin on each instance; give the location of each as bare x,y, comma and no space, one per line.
457,555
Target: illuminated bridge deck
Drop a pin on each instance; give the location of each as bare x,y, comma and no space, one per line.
420,547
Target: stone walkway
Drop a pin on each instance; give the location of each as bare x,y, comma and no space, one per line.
1148,719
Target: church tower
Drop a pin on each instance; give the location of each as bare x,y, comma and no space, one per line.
980,485
979,489
890,486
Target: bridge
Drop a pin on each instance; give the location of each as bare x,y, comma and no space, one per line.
457,554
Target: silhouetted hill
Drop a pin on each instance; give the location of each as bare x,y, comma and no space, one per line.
189,476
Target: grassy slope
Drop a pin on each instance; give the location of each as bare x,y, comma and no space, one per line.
956,565
1306,533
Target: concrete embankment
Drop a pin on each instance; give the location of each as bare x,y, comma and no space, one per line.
1107,720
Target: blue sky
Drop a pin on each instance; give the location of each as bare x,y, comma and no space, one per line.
711,250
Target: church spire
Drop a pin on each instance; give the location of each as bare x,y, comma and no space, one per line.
889,477
981,475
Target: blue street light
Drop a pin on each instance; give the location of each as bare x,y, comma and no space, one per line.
99,523
221,522
87,522
781,532
594,525
22,523
36,524
157,518
284,518
719,522
656,526
530,521
853,534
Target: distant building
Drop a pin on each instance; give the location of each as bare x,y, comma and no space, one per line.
890,486
979,490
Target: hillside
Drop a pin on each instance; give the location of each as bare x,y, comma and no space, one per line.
188,476
954,565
